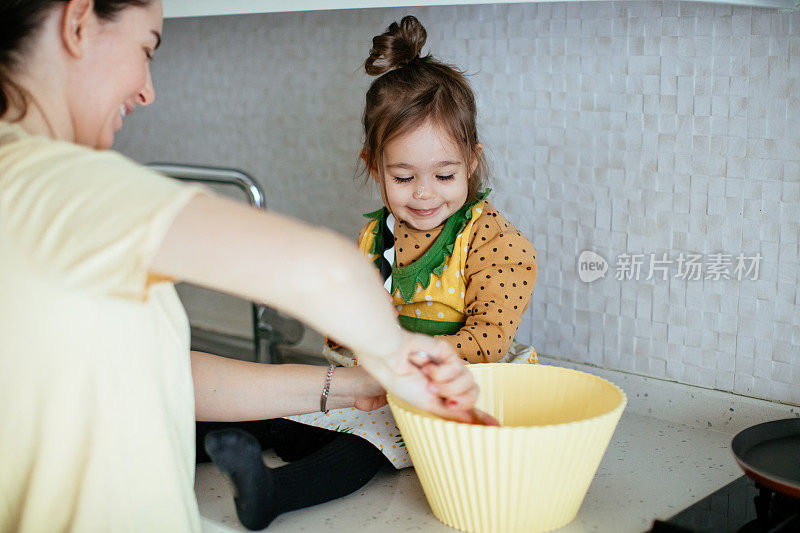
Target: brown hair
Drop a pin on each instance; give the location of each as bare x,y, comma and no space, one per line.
412,89
19,21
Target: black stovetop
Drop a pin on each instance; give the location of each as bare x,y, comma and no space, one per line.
741,506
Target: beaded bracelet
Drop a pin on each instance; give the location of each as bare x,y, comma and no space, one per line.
323,400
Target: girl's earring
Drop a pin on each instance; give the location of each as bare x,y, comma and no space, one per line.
419,192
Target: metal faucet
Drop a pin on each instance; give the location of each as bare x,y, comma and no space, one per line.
221,176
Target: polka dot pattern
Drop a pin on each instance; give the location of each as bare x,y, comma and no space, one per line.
500,273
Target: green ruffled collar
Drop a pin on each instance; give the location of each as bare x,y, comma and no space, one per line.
434,260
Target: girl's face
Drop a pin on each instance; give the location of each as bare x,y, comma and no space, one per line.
113,75
425,177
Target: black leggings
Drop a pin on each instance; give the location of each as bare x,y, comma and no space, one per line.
323,465
290,440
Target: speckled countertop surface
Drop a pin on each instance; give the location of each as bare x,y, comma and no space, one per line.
671,448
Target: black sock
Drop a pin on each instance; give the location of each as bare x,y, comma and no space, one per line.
238,455
263,430
341,467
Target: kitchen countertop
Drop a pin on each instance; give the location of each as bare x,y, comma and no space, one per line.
671,448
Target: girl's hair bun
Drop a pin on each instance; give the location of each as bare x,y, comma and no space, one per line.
398,46
410,90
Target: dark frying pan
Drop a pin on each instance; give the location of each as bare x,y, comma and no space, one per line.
769,453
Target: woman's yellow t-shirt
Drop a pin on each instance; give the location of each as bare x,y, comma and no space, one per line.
96,394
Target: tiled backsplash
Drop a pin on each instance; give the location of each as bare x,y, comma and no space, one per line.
617,127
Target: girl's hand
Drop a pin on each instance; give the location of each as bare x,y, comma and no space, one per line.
367,394
370,403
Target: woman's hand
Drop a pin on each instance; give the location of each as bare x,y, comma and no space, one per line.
439,382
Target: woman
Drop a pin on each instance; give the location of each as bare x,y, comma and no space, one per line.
98,391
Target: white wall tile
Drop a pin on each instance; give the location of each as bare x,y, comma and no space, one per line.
624,127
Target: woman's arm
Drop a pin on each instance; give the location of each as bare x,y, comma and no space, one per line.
309,272
317,276
229,391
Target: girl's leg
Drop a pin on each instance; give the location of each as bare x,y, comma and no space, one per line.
290,440
343,466
294,440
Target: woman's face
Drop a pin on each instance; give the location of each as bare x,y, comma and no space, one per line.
113,75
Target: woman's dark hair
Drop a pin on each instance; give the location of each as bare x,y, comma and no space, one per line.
19,21
411,90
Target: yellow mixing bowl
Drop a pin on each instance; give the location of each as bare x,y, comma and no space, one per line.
532,473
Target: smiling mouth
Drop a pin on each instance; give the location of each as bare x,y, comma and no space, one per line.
424,212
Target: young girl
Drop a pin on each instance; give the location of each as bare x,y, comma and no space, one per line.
454,267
